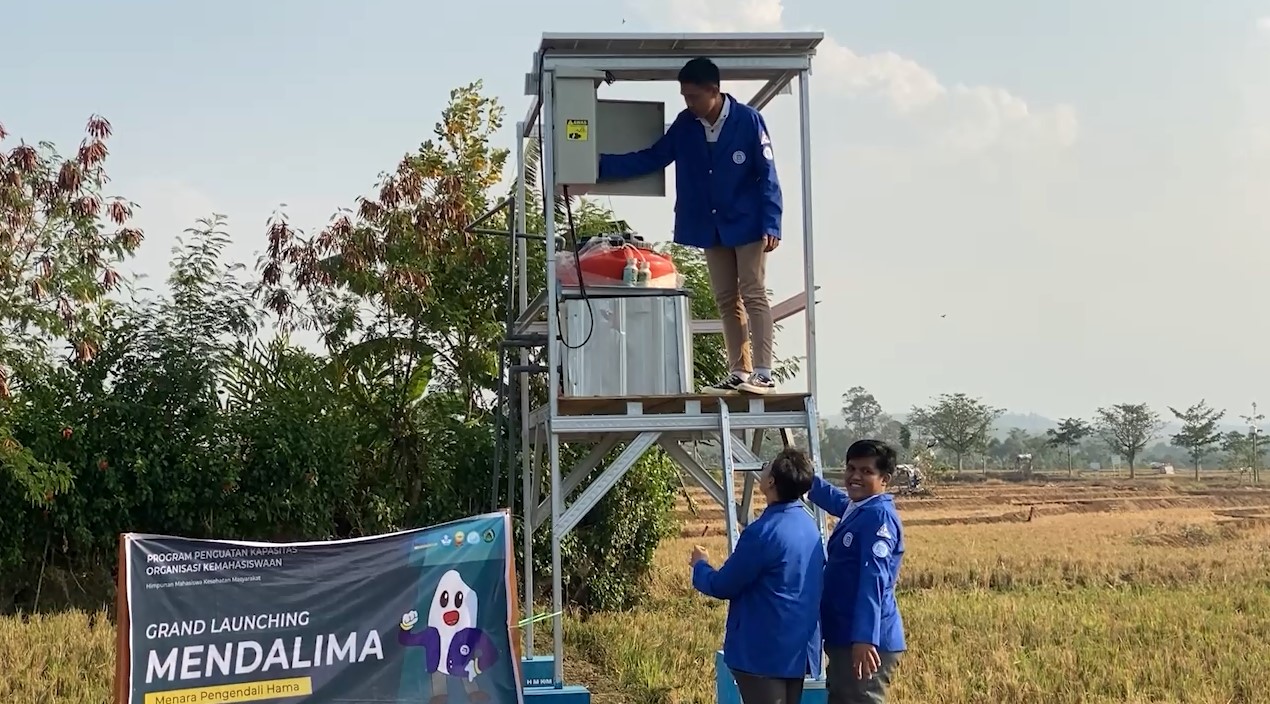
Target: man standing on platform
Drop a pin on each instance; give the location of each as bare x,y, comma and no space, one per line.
728,203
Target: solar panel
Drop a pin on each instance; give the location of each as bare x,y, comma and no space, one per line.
654,44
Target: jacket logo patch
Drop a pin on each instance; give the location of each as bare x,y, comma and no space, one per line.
738,157
885,532
764,139
767,153
846,540
881,549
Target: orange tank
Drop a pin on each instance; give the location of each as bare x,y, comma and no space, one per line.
603,265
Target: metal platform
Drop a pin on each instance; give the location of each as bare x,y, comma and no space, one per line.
693,414
625,428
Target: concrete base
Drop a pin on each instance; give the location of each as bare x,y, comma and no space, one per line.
726,692
568,694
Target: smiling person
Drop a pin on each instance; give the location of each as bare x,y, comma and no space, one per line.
728,203
863,631
772,582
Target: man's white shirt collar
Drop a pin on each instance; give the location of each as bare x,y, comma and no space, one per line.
853,505
713,130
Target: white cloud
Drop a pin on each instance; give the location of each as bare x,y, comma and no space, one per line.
962,118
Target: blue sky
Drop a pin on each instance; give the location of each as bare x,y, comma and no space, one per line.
1079,186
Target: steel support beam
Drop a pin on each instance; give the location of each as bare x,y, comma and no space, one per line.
578,473
776,86
695,470
598,488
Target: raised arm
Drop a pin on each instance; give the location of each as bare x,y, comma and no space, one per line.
828,497
645,161
742,567
428,638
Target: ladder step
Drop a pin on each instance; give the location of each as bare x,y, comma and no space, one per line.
747,466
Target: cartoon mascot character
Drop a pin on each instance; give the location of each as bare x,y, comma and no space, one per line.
453,646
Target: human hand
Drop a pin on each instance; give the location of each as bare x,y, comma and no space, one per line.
770,242
864,660
409,619
698,554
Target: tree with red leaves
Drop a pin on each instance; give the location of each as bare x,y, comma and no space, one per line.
61,241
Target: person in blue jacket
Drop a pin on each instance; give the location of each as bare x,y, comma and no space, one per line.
728,203
772,582
863,630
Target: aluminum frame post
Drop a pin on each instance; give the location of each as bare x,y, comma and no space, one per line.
527,497
809,259
813,448
547,124
729,475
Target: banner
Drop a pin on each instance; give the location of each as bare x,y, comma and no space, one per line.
419,616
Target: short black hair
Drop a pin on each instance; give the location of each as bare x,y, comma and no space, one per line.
884,454
791,473
700,72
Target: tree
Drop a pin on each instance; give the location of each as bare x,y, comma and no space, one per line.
61,241
1254,435
1127,428
861,413
1243,451
413,308
1199,431
957,422
1068,435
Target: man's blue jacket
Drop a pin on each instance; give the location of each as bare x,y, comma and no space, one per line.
726,193
772,582
864,555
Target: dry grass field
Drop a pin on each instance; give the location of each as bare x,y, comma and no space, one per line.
1152,591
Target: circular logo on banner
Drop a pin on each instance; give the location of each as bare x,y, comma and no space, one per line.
846,540
880,549
738,156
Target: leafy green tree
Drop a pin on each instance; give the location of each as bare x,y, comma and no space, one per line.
861,412
957,422
1254,420
1244,450
413,309
1199,431
1126,428
1068,435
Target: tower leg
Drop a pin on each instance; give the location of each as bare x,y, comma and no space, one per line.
729,476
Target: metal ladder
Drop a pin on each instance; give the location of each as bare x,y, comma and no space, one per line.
736,457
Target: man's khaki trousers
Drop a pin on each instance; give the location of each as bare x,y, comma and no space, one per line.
738,276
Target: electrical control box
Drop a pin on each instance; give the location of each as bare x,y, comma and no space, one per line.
577,160
629,126
586,127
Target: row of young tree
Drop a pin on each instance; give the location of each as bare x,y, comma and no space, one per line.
961,428
192,412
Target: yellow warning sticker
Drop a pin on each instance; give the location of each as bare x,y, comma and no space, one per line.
576,130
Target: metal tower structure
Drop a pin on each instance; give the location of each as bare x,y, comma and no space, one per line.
641,422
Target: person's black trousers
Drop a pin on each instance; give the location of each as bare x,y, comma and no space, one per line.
844,688
756,689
